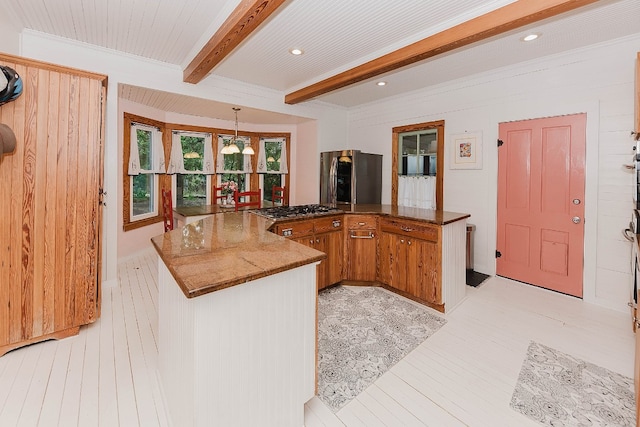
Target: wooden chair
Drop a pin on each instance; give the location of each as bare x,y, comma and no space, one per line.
278,197
248,195
167,210
218,196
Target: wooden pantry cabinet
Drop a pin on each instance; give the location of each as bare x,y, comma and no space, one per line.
409,260
50,215
324,234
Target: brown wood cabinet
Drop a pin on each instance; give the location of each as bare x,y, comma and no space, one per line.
324,234
409,259
361,247
50,215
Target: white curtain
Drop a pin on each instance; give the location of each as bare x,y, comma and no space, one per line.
176,162
417,191
262,161
157,151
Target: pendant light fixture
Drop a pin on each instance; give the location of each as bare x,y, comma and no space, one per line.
231,147
247,144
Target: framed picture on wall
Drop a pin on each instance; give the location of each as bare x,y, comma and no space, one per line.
466,150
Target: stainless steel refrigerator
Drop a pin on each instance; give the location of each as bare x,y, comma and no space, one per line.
350,176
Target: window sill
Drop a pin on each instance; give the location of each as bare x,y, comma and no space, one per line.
141,223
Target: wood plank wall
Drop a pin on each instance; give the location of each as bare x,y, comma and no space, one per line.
50,208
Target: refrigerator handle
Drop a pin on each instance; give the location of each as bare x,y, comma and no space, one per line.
333,180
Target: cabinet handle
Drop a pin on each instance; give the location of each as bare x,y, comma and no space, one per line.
361,223
409,242
311,241
317,240
369,236
403,228
401,240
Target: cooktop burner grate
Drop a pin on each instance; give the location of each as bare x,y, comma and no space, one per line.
296,211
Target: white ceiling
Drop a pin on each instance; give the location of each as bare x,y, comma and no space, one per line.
335,34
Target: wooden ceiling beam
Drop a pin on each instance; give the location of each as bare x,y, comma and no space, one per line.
506,18
245,19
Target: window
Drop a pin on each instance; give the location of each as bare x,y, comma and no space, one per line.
234,167
419,149
417,152
272,165
191,185
146,161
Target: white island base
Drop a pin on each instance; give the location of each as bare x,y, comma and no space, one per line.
241,356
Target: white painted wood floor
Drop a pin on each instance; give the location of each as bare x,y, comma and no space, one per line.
462,375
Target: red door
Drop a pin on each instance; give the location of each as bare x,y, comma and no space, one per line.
541,202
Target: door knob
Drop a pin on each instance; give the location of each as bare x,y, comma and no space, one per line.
576,220
576,201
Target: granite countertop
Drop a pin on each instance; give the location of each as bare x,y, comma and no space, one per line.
229,249
206,210
232,248
427,215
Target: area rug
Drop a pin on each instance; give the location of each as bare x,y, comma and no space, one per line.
556,389
362,334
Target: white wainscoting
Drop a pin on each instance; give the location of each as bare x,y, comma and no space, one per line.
454,279
242,356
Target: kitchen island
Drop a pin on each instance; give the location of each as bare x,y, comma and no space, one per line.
237,303
237,323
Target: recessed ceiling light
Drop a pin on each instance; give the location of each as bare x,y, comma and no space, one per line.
381,83
530,37
296,51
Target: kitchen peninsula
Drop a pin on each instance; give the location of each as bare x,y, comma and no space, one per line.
237,302
236,322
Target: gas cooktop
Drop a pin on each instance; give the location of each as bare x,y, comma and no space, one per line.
296,211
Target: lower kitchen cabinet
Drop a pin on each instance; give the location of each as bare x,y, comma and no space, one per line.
361,248
403,255
409,264
323,234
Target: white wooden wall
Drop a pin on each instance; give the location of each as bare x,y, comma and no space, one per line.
453,258
598,80
242,356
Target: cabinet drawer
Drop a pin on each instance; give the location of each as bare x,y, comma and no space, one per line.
410,229
355,222
295,229
333,223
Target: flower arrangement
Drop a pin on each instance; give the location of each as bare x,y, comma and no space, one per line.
229,188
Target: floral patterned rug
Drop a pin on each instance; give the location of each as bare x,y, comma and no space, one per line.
362,334
556,389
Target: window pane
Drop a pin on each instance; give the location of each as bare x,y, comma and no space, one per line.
238,178
144,148
234,162
270,181
191,190
142,194
193,152
272,151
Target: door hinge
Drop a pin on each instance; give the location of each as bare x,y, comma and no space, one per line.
498,254
500,142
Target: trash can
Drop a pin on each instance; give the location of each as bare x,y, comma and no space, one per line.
470,229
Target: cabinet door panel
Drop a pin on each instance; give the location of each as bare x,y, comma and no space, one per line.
386,258
428,272
402,268
361,255
335,256
412,284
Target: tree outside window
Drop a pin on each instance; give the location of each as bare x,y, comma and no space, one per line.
235,162
191,189
273,152
143,184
